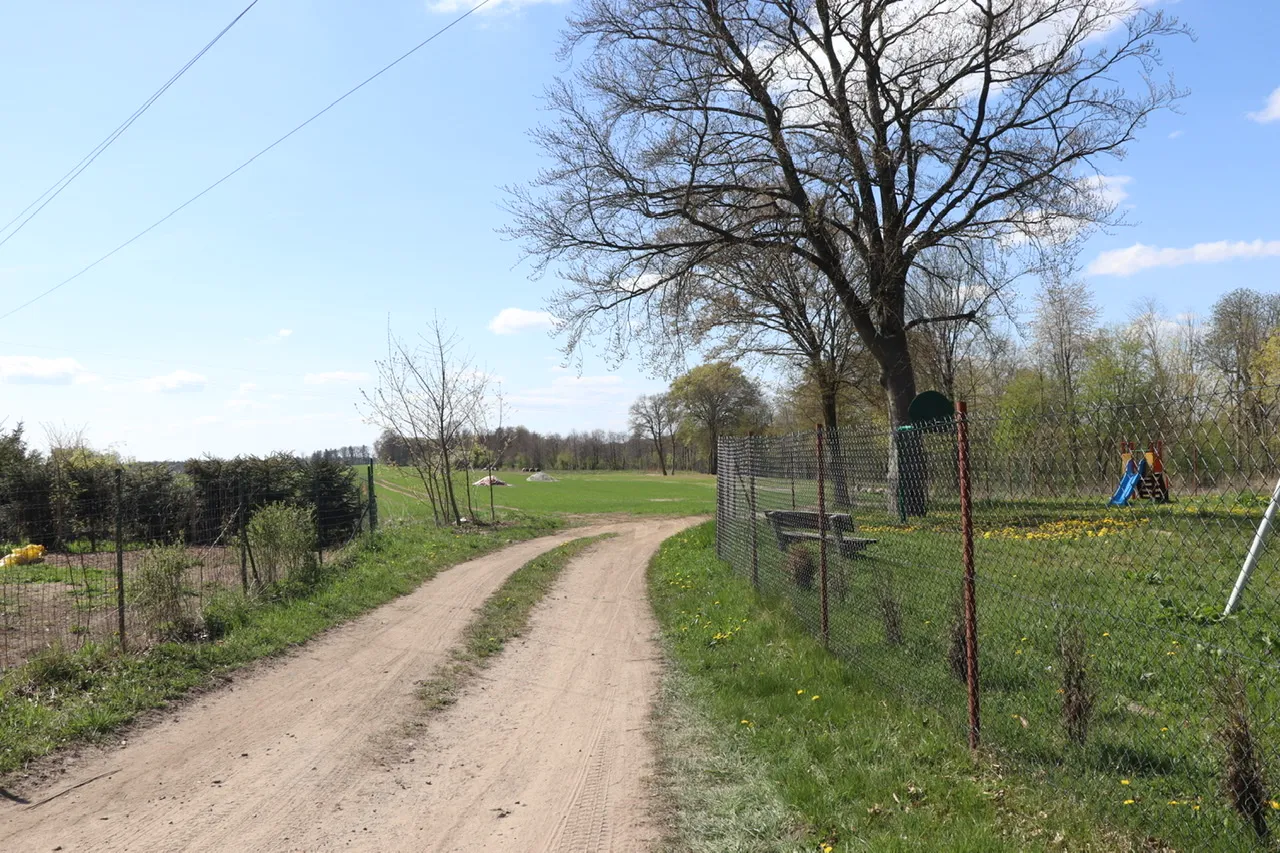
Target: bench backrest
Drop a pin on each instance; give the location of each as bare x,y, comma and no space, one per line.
837,522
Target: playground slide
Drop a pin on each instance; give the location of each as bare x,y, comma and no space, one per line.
1128,485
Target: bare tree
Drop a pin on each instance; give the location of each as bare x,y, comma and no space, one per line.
1239,326
652,418
970,289
1065,324
855,134
431,396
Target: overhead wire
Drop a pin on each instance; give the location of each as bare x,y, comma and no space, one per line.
468,13
55,189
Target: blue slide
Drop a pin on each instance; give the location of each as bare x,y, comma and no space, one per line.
1128,484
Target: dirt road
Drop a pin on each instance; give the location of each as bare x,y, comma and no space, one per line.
545,751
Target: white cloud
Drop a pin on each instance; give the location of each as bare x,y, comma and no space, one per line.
1110,188
1140,257
509,321
34,370
1270,112
284,333
173,383
1175,134
334,376
246,387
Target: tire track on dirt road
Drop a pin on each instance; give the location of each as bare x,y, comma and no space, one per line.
549,750
326,750
275,740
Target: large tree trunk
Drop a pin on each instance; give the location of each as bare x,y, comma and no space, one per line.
831,422
907,491
714,437
662,456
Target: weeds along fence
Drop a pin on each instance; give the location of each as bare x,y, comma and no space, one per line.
136,554
1068,619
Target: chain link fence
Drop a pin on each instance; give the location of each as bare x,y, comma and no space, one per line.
1099,653
136,555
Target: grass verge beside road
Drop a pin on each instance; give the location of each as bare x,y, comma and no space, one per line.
768,743
503,617
62,697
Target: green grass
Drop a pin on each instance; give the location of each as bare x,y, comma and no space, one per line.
504,616
577,492
771,744
1145,585
62,696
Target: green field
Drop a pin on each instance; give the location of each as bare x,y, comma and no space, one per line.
576,493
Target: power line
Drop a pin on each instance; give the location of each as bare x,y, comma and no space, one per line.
62,183
246,163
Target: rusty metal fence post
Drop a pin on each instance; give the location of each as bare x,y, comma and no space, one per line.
120,555
822,542
966,556
751,507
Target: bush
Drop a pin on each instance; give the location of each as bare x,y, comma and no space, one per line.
225,611
282,539
1078,695
159,591
801,566
1243,778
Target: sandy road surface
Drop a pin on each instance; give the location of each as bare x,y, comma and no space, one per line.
327,751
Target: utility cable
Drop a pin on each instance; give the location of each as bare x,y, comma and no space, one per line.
62,183
246,163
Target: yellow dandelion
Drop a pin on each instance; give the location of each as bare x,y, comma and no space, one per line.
1173,802
1124,781
1018,652
799,692
1164,728
1275,805
1106,633
1128,802
746,722
814,698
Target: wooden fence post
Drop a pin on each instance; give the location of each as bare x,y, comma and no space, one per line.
373,502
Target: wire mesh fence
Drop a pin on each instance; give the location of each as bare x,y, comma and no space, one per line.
1105,545
133,555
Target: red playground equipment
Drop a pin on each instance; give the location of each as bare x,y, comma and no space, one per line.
1143,474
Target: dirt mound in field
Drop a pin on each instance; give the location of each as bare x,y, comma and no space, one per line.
543,477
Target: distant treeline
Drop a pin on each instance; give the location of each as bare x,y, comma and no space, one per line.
520,447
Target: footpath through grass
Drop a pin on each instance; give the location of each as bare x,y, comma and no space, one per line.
503,617
66,696
771,744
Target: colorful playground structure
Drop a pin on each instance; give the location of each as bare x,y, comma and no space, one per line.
1143,475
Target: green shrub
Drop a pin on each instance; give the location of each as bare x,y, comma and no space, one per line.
160,594
225,611
801,566
282,539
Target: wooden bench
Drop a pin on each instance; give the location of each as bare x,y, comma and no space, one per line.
791,526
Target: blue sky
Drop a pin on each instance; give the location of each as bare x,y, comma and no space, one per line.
249,322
